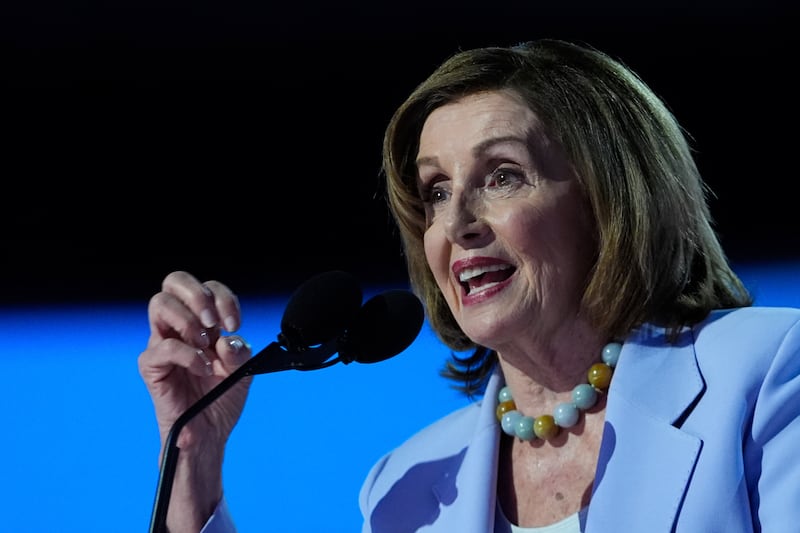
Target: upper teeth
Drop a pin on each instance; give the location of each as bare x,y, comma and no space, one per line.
469,273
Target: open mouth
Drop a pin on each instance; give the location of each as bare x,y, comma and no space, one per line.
484,277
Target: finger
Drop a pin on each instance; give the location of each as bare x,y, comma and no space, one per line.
170,318
226,304
159,361
198,297
233,351
205,358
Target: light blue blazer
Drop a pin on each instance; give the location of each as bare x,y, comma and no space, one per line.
700,437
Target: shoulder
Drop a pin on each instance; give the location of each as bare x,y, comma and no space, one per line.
765,321
732,351
437,443
443,437
748,333
438,450
748,347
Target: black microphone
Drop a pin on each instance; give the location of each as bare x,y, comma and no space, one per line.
319,310
385,326
323,316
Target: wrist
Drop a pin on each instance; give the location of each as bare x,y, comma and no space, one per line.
196,491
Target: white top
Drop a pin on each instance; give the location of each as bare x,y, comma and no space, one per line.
571,524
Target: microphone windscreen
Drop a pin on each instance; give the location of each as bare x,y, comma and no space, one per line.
321,309
385,326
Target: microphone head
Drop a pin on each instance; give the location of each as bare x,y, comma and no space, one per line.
385,326
320,310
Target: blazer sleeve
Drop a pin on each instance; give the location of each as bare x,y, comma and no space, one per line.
221,521
773,459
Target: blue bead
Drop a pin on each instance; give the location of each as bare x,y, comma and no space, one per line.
611,353
509,422
504,395
566,415
524,428
584,396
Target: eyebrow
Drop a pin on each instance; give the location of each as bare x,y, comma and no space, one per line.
478,149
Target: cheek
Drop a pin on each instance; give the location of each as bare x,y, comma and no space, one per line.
525,230
437,254
559,236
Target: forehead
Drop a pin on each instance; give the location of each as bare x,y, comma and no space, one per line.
481,114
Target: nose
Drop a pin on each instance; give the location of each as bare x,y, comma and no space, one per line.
464,223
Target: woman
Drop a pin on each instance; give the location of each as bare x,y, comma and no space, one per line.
555,227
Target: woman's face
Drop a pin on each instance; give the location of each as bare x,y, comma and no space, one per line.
510,238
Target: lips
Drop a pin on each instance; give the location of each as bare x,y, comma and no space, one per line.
479,274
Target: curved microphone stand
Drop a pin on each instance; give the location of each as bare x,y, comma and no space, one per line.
273,358
383,327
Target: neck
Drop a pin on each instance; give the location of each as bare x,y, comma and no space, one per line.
549,368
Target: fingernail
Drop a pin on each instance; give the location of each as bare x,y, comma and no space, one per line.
236,344
207,318
204,340
209,369
230,323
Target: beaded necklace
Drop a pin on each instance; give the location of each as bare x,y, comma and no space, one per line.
566,414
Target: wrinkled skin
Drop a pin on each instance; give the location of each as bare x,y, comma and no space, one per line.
187,316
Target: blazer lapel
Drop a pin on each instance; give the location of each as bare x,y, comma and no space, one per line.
473,510
645,460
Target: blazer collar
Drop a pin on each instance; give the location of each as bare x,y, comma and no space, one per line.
646,460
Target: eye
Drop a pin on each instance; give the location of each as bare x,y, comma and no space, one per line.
505,177
434,193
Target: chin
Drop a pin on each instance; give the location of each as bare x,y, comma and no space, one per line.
485,333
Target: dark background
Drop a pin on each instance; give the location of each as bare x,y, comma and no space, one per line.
242,141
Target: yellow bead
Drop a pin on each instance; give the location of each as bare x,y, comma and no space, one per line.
504,407
600,376
545,427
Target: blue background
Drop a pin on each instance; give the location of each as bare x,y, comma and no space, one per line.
80,444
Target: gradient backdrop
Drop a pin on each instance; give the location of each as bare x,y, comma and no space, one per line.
241,141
